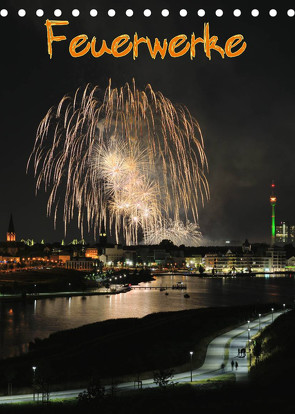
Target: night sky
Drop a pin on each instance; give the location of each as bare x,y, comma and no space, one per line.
245,105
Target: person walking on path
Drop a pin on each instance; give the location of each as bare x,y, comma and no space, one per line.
239,352
232,365
236,364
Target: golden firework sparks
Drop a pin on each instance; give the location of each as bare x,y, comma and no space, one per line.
125,156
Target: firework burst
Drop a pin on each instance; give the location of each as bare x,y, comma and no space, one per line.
125,157
176,231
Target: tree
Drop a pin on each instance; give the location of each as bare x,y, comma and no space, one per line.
95,392
257,350
163,377
167,244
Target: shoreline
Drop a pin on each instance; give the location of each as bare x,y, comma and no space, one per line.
218,276
100,341
48,295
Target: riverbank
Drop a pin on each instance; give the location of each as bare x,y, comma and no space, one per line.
50,295
226,275
124,349
59,282
35,281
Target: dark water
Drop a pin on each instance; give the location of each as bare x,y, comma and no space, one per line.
21,322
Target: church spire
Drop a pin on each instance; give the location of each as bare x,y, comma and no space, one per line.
10,237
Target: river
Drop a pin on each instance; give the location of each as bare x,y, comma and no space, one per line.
21,322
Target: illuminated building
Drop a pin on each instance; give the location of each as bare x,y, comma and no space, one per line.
273,201
277,259
91,252
112,255
60,257
291,264
282,233
10,236
194,261
285,233
81,264
271,260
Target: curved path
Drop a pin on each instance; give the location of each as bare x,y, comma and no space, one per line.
222,350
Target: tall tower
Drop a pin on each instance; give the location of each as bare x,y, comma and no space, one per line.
103,235
273,200
10,236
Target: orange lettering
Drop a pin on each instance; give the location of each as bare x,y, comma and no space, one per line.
195,41
104,48
76,42
137,42
210,43
50,37
176,42
157,48
119,42
232,42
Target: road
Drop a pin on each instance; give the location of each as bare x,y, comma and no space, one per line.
222,350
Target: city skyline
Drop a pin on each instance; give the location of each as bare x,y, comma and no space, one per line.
244,107
280,231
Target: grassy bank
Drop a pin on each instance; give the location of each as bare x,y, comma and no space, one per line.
41,280
276,362
124,348
242,399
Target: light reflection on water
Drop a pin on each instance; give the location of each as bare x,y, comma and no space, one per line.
21,322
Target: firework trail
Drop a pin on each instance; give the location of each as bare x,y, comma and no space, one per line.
176,231
125,157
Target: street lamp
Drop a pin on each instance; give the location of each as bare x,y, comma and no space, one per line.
191,354
248,334
34,381
259,321
272,314
248,324
284,307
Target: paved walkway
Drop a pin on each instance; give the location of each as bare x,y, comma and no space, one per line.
216,355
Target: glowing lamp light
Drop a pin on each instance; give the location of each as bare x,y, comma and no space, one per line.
273,199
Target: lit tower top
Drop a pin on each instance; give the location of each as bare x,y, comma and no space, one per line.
10,236
273,200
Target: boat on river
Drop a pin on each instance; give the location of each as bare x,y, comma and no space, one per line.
179,285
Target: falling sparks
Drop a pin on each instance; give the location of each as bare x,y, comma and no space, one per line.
125,158
176,231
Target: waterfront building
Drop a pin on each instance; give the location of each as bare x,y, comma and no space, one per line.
9,259
111,255
290,264
91,252
161,256
277,259
82,264
9,263
60,257
194,261
273,260
129,254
